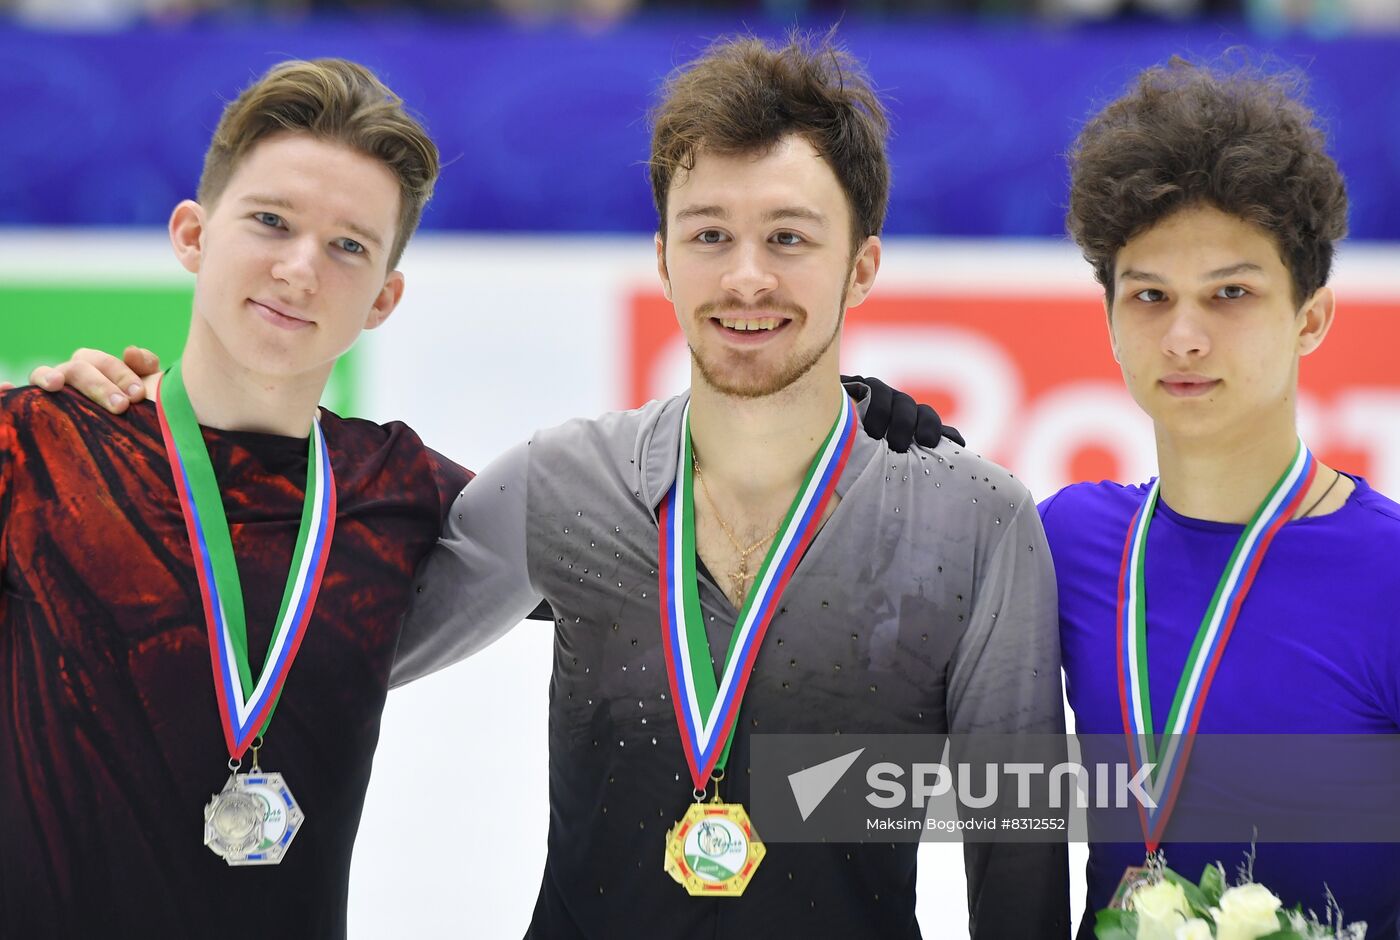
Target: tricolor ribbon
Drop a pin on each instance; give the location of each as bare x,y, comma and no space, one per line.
706,709
245,706
1164,782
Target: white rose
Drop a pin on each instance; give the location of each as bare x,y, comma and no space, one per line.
1161,908
1246,912
1194,929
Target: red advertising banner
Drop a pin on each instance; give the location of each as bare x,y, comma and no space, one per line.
1032,384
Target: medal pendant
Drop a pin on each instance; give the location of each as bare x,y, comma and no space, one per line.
1134,877
713,850
667,864
252,820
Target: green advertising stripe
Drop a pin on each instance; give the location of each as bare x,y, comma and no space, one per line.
41,324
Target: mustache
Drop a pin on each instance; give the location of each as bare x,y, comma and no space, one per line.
716,308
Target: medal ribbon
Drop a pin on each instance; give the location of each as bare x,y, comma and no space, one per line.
1211,637
706,709
245,707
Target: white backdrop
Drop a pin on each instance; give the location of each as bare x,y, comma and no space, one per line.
498,336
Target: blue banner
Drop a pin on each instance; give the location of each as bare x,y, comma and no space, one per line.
544,129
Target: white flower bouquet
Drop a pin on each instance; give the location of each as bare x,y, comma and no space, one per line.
1159,904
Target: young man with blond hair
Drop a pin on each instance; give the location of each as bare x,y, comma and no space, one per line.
224,528
812,580
1209,208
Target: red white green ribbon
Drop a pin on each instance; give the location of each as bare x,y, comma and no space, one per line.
1172,756
245,706
706,708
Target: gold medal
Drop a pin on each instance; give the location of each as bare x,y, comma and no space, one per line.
667,865
713,850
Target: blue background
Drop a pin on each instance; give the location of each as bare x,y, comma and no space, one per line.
544,129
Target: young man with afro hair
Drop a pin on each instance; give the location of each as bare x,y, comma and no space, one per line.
1209,208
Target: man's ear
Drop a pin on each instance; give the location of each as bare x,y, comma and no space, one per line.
661,266
1315,320
386,301
186,228
863,271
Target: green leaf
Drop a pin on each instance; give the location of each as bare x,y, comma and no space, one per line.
1212,884
1115,925
1286,930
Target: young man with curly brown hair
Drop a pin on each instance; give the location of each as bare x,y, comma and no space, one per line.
1209,208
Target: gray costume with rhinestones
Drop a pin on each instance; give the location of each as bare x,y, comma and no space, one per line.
925,604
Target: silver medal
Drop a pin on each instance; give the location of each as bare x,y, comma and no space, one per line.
252,820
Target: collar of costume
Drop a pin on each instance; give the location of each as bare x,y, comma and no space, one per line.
706,706
1169,759
245,705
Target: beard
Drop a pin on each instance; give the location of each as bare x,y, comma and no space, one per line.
743,374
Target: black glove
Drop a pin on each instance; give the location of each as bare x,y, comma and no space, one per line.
900,420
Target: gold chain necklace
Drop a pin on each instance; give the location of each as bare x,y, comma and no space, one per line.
740,575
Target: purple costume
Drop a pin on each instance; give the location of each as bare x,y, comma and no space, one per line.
1316,650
